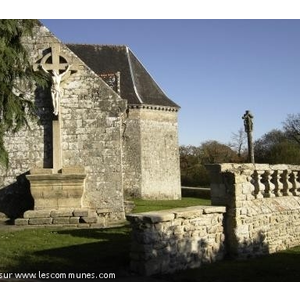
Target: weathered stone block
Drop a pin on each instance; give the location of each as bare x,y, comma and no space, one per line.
21,222
80,212
73,170
61,213
40,221
44,204
68,188
214,209
37,214
74,220
83,225
89,219
156,217
38,171
61,220
69,202
188,213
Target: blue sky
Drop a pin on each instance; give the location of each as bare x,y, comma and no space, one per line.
214,69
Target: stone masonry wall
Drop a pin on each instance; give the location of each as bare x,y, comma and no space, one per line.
91,127
132,155
151,156
160,155
177,239
263,206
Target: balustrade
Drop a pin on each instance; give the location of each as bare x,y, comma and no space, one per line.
275,183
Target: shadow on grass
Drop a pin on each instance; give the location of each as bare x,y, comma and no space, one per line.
278,267
108,253
94,251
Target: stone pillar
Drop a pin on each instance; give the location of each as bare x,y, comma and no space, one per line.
57,155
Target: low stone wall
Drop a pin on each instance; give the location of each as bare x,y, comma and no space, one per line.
79,217
263,206
177,239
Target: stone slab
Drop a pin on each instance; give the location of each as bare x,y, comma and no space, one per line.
214,209
40,221
158,217
80,212
89,219
61,220
37,171
83,225
62,213
37,214
21,221
74,220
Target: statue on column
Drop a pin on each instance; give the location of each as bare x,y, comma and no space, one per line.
248,123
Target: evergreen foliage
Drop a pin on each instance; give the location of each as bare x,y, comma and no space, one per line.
17,79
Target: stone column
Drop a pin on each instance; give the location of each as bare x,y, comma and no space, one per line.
248,123
57,155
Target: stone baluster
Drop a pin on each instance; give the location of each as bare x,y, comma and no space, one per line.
251,180
259,186
295,183
298,182
269,185
287,185
277,178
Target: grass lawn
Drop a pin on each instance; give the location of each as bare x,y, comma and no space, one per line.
154,205
62,251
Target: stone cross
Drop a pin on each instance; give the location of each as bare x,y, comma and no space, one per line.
57,65
248,123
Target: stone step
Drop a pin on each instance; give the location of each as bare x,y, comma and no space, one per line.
5,221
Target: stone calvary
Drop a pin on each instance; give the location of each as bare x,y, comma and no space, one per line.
106,132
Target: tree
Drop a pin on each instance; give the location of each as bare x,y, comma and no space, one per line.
292,127
238,141
17,79
214,152
193,172
193,160
275,148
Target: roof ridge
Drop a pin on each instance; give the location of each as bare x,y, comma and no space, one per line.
101,45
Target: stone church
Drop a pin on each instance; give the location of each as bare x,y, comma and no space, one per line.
106,132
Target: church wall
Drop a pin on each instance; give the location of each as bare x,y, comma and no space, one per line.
159,155
91,128
132,155
91,137
151,155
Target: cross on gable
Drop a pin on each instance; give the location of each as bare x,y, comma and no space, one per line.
57,61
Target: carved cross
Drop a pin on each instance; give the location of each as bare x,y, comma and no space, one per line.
56,64
60,67
57,61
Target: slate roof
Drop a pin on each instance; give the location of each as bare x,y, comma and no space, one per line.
136,84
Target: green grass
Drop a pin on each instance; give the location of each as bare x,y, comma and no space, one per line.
154,205
52,250
65,250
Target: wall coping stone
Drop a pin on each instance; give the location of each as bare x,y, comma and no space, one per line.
171,214
236,168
